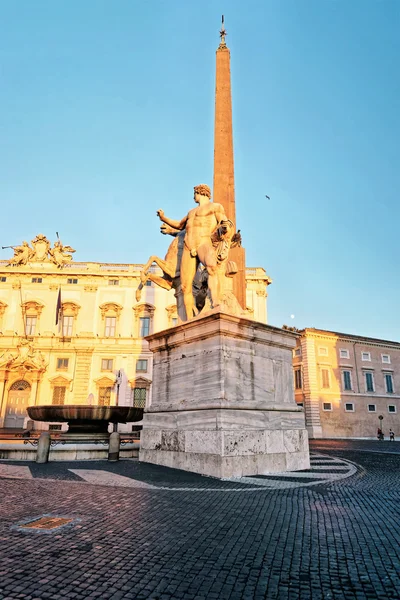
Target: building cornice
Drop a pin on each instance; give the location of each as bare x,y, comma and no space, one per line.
256,272
344,337
343,396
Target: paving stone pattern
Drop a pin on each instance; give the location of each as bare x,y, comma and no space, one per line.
204,539
130,473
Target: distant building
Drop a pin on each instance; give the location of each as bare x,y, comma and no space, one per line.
345,382
97,350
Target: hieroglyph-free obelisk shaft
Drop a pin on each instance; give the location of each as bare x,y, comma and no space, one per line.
224,179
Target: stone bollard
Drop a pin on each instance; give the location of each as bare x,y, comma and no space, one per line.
43,449
113,448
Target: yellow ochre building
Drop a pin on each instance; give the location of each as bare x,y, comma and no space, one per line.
348,384
96,352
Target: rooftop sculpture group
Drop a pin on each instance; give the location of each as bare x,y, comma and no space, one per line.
196,264
40,251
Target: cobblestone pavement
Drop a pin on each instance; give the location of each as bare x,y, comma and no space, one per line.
174,535
361,445
134,474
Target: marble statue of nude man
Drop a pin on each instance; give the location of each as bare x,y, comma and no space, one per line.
200,223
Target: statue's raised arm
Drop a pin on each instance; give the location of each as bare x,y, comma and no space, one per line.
175,224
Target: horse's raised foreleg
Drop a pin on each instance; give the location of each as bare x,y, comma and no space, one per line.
144,271
165,283
138,294
164,266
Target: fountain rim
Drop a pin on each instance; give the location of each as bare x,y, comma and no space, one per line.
109,413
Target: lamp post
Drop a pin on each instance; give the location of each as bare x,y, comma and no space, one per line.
118,382
380,426
115,439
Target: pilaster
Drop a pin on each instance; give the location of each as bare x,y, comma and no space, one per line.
82,375
311,390
3,396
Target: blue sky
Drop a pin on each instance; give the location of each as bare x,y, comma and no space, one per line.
106,115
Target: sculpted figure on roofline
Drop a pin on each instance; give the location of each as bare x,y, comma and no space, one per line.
41,251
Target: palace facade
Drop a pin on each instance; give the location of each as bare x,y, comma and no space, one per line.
346,383
96,353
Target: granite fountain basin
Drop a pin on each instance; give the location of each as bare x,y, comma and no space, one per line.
83,418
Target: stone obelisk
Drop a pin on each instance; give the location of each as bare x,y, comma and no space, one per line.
224,179
223,401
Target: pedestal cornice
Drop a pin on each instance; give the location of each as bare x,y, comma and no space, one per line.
202,328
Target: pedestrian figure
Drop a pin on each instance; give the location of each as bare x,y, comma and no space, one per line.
391,435
380,434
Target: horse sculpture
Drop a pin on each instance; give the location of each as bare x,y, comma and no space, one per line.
170,267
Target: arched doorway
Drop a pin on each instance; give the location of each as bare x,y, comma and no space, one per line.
18,400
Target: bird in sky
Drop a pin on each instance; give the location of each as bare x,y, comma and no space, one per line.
267,197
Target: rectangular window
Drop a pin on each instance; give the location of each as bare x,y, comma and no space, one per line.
3,279
110,326
369,382
386,358
366,356
327,405
323,351
67,325
371,408
37,280
325,378
139,397
347,380
389,383
297,352
148,283
72,281
392,408
297,379
107,364
62,364
105,396
30,325
58,394
349,407
144,326
344,353
141,366
113,282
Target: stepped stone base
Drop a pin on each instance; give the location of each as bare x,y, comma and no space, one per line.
223,401
229,443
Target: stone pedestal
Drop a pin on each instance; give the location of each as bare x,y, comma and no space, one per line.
223,402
